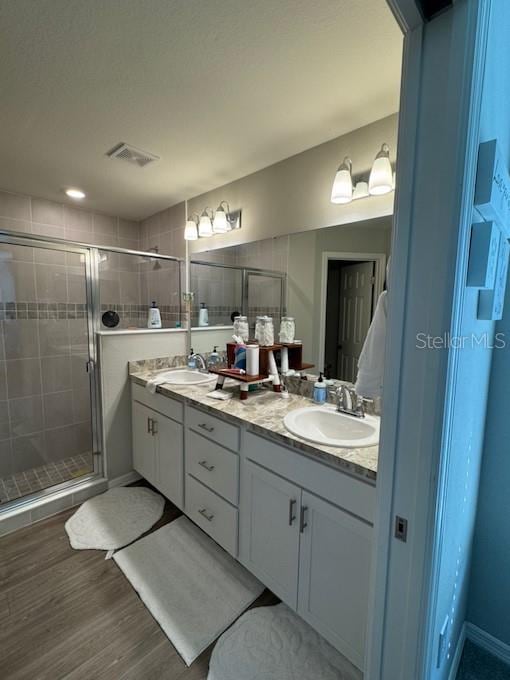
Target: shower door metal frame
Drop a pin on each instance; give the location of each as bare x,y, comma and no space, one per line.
245,273
91,253
91,261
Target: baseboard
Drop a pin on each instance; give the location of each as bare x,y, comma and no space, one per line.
123,480
488,642
458,653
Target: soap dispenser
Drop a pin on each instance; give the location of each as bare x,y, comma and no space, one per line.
154,317
319,391
203,315
214,359
192,363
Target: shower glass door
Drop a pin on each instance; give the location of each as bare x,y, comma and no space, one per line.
48,429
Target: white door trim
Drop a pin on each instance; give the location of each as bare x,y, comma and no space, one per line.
380,272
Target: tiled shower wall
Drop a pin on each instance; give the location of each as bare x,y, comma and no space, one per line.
44,390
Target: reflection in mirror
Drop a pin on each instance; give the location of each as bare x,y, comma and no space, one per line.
328,279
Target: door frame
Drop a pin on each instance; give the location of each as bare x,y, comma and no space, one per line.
413,455
379,259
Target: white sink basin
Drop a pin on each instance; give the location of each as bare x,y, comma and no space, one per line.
187,376
325,425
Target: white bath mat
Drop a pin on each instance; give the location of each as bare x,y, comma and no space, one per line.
191,586
273,643
114,518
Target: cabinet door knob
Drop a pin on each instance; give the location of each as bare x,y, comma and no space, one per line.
206,465
292,507
302,520
207,428
206,515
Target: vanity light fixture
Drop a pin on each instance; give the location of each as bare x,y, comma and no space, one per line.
205,224
380,181
342,186
381,175
76,194
209,223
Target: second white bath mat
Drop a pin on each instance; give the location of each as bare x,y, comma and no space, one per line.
114,518
273,642
191,586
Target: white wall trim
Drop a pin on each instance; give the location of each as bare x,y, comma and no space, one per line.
380,273
488,642
124,480
458,653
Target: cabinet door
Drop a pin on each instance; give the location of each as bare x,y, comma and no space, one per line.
144,456
270,530
334,575
169,459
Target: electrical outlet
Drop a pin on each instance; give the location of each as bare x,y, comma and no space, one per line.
442,646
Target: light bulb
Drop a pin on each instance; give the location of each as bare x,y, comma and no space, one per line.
360,190
205,226
220,222
381,175
190,231
77,194
342,185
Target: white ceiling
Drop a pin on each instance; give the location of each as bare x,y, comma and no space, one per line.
216,88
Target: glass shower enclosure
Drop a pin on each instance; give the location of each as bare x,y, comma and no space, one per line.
50,310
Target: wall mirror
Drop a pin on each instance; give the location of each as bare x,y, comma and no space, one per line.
328,279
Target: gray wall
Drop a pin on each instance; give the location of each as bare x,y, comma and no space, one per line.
294,195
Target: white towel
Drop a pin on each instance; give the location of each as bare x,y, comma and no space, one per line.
153,383
369,382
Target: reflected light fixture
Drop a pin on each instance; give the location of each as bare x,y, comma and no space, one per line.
381,175
76,194
205,224
342,185
221,224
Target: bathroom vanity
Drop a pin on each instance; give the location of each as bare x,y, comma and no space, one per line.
297,515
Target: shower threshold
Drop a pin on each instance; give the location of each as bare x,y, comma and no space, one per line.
45,476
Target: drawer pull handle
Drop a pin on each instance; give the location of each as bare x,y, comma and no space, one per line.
206,515
302,520
292,507
207,428
206,465
154,429
149,426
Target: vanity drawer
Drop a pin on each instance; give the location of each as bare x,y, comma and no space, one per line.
166,405
213,465
212,514
213,428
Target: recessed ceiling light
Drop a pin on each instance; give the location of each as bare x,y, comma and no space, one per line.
77,194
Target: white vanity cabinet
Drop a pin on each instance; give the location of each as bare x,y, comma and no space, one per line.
212,476
303,527
158,442
269,542
312,551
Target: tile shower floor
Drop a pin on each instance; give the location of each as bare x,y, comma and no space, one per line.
31,481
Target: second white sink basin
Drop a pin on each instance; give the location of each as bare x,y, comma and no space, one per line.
187,376
325,425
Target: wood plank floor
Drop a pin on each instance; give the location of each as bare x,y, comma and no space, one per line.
71,614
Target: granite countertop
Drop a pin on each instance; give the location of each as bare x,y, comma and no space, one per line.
263,413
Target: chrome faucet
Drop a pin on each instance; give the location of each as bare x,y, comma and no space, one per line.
347,401
198,358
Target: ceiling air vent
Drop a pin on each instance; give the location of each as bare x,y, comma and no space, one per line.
126,152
